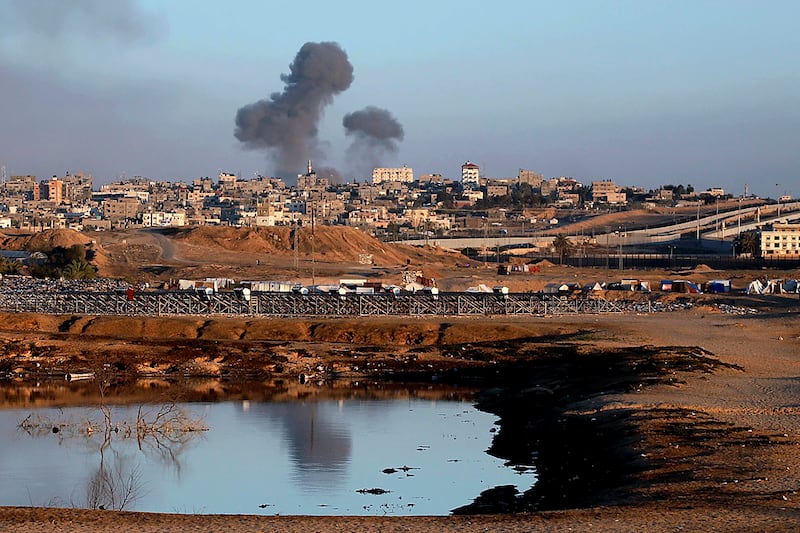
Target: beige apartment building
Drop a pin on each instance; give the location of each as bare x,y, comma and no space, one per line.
607,191
495,188
532,178
782,239
120,209
21,185
403,174
55,190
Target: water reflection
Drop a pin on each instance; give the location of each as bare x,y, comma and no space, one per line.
162,434
319,448
422,449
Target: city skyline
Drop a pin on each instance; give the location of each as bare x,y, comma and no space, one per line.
642,93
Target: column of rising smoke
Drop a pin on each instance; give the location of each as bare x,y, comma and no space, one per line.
285,124
375,133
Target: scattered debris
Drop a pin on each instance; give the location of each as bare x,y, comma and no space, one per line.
373,491
736,309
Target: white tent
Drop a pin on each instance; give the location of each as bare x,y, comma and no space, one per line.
596,286
774,286
414,287
755,287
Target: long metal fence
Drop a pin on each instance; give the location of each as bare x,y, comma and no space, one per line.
167,303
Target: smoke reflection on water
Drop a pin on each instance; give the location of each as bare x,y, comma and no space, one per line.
321,456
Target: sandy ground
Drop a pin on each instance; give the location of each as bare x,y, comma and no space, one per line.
621,519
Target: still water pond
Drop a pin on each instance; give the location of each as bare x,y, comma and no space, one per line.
343,457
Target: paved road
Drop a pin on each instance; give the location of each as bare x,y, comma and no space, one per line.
710,227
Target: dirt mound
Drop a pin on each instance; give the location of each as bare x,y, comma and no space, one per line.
328,243
44,240
544,263
703,268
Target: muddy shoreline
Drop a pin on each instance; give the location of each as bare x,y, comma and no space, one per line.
556,387
582,459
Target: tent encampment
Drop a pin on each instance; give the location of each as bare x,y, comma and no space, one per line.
755,287
680,285
774,286
718,286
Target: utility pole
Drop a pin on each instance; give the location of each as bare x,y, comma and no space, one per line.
739,218
485,241
313,247
698,219
295,245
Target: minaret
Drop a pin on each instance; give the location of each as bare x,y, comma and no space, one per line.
309,167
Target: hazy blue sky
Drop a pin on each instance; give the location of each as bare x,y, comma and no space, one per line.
643,92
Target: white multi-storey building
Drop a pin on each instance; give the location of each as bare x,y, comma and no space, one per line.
782,239
470,174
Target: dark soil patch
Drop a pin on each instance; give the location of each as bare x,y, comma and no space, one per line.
582,457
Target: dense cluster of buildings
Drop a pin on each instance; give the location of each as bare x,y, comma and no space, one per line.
393,201
393,196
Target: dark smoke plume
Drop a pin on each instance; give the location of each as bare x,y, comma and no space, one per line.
331,173
286,123
375,134
52,20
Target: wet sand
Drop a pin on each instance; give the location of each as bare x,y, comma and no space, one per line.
613,519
